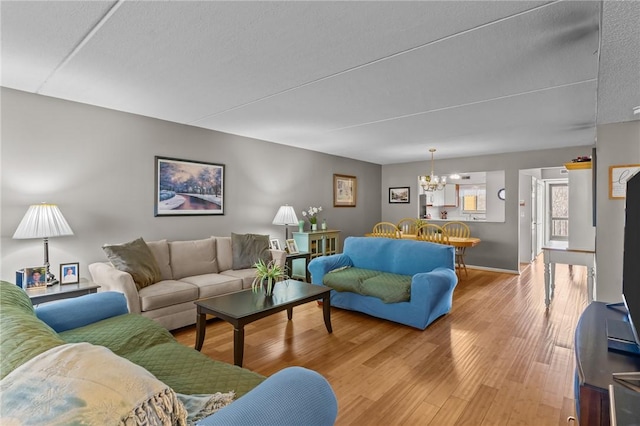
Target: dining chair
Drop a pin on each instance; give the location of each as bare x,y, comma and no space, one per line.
385,230
433,234
409,225
458,230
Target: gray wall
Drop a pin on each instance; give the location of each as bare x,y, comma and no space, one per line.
618,144
499,247
98,166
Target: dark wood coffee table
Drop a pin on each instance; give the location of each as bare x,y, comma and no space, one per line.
244,307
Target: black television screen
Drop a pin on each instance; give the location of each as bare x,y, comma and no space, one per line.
631,259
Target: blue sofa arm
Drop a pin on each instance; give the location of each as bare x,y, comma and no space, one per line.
319,266
68,314
292,396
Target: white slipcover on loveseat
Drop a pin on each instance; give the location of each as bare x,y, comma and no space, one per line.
189,270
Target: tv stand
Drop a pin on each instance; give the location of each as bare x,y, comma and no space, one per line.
595,364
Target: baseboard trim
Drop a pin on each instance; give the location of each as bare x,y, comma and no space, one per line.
486,268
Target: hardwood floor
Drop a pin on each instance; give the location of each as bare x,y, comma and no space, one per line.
498,358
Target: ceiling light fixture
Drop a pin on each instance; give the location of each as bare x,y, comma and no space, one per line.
432,182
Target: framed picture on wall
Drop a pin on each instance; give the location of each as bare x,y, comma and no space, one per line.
345,189
69,273
185,187
399,195
618,176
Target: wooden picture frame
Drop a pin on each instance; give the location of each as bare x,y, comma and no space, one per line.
292,247
188,188
345,190
618,176
274,244
69,273
399,195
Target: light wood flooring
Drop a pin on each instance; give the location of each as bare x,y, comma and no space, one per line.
498,358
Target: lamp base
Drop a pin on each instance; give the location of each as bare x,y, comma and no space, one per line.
53,282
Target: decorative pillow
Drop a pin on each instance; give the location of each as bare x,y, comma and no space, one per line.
248,249
135,258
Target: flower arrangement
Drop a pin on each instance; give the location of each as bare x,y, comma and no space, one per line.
311,214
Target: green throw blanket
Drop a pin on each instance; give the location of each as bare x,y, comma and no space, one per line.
390,288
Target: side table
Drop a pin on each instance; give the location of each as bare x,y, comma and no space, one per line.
302,255
61,291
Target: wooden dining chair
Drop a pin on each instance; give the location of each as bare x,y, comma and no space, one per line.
433,234
410,225
385,230
458,230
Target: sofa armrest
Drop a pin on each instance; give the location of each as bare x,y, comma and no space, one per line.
428,287
112,279
68,314
279,257
319,266
292,396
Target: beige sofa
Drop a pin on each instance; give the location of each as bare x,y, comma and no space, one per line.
190,270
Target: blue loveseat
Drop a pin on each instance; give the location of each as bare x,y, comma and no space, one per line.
427,270
132,353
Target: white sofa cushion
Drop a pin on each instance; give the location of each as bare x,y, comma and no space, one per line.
166,293
210,285
246,275
195,257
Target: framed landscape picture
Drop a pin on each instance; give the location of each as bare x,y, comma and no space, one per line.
399,195
185,187
345,189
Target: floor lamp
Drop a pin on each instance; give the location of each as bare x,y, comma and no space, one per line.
43,221
286,216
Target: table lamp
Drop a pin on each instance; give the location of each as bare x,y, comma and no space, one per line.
286,216
43,221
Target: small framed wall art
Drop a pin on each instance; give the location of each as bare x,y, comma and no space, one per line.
185,187
618,176
69,273
345,189
399,195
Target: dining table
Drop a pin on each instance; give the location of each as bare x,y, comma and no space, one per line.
453,241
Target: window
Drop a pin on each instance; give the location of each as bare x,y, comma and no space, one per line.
559,211
474,198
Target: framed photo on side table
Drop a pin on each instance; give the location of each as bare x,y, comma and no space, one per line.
292,247
399,195
345,189
274,244
35,277
69,273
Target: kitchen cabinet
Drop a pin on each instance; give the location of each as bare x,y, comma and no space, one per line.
448,197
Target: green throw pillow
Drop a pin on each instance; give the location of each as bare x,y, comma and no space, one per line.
247,249
135,258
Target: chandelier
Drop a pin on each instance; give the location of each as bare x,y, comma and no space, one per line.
432,182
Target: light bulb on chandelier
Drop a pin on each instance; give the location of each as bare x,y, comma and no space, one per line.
432,182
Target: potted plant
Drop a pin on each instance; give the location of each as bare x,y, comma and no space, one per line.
267,275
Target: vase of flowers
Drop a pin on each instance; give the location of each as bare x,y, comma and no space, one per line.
267,275
312,214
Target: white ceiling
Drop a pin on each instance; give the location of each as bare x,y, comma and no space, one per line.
375,81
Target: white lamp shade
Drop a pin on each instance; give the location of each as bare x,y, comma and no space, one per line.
42,221
286,216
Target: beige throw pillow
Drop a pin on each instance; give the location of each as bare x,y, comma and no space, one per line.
136,259
248,249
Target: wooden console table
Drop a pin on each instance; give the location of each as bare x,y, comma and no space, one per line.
595,364
560,254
